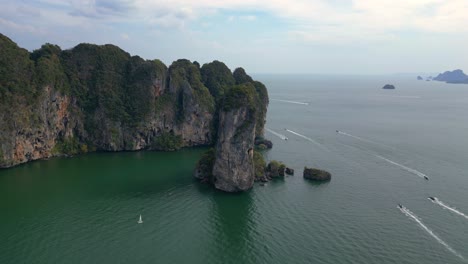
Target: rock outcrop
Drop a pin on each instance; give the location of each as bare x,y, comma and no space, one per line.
99,98
389,87
263,143
289,171
275,169
233,169
316,174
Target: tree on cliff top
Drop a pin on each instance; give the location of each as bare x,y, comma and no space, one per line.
240,96
217,77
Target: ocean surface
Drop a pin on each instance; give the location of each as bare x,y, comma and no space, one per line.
378,144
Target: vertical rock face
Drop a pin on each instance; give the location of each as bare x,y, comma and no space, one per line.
91,97
232,165
36,139
233,168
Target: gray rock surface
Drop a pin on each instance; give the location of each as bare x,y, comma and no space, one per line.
233,169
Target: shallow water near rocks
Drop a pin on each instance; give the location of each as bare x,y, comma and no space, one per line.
85,209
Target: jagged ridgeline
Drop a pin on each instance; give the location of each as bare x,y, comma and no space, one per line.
100,98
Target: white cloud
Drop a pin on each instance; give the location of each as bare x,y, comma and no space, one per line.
358,15
125,36
368,19
20,27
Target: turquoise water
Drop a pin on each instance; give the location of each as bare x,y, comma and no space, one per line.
85,209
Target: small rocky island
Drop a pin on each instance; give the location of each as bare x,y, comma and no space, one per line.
389,87
419,78
316,174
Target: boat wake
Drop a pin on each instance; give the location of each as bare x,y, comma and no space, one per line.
418,173
283,137
454,210
291,102
306,138
363,139
411,215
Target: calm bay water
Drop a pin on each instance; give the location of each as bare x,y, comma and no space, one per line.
85,209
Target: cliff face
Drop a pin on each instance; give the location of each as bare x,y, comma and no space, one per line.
231,165
99,98
31,139
233,168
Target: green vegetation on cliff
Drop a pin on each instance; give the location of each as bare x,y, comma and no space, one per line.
260,165
70,146
167,141
185,83
241,76
218,78
276,169
240,96
110,100
205,165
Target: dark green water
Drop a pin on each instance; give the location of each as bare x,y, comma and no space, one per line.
85,209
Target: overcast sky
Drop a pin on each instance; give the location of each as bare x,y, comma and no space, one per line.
263,36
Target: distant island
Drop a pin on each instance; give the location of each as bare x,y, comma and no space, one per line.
389,87
456,76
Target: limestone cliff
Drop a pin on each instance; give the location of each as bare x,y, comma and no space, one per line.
100,98
233,168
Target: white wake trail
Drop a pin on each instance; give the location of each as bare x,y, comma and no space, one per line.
454,210
308,139
363,139
410,214
418,173
291,102
304,137
283,137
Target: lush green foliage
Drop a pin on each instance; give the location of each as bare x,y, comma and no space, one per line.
259,164
240,96
167,141
70,146
206,163
217,77
276,168
49,70
261,103
111,92
185,75
241,76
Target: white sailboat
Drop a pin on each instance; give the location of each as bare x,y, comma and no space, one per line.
140,221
